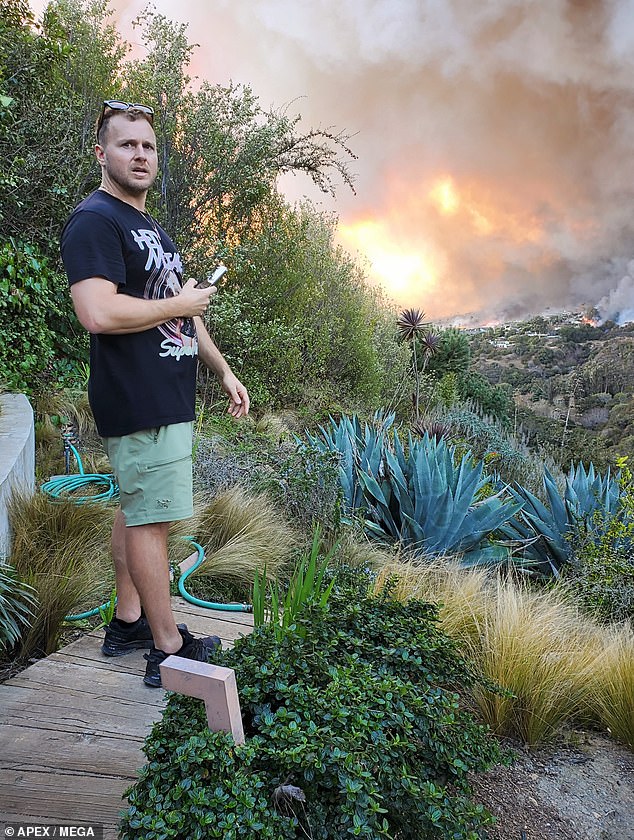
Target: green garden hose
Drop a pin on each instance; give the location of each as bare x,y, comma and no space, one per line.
210,605
66,486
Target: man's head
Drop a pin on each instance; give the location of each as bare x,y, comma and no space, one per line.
126,149
115,106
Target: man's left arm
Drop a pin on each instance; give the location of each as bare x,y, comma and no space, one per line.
209,354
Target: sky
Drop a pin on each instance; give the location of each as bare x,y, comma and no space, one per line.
495,139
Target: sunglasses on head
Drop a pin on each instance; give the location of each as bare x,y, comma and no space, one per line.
116,105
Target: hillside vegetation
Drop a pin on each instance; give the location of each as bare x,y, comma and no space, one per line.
573,383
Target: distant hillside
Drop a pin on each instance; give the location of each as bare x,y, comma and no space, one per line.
573,383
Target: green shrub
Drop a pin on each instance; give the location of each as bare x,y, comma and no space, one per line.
601,572
353,725
302,481
36,317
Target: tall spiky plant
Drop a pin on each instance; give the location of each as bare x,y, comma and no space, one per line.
412,327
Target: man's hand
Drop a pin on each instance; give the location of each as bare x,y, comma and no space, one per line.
238,397
194,301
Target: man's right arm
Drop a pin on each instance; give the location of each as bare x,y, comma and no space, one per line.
101,309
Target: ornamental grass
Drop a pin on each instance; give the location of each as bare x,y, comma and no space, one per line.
555,663
62,550
611,691
242,532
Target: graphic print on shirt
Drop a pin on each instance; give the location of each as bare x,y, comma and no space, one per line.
164,281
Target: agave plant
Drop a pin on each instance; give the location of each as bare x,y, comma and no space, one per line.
431,506
16,602
359,446
547,532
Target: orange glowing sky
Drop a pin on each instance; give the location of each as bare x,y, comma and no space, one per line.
495,141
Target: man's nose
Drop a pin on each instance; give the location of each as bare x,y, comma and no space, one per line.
140,151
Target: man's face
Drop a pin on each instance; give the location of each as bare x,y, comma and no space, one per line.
128,154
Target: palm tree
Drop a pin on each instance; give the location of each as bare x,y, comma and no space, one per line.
412,327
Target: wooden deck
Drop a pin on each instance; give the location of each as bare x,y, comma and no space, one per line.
72,727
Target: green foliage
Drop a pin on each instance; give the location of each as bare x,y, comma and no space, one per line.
305,587
221,153
35,314
453,355
491,441
301,480
16,603
108,609
353,729
495,400
55,75
601,572
298,323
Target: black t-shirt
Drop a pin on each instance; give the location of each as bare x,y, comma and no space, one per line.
144,379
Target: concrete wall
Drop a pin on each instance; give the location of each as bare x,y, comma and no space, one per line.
17,457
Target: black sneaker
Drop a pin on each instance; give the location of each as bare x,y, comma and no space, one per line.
197,649
123,637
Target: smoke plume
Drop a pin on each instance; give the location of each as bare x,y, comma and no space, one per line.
495,140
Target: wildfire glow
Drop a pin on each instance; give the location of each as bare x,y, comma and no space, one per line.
444,197
486,216
405,273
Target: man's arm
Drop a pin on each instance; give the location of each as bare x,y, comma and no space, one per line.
101,309
212,357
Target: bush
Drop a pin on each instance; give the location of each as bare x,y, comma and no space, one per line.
536,645
602,569
353,728
302,481
36,317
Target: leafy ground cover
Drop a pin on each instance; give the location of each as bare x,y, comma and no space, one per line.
354,727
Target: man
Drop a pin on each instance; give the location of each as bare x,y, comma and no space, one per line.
147,333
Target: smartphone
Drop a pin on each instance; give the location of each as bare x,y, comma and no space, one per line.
212,278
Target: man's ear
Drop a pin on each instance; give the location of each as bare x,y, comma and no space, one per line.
100,155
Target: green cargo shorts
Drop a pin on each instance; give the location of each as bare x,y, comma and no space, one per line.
153,468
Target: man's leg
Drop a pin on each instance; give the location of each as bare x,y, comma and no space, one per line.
128,600
148,567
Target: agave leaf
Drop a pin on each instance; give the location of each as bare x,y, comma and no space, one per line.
491,554
416,533
557,504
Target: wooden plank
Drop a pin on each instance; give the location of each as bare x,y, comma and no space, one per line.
68,711
114,684
63,797
80,752
182,605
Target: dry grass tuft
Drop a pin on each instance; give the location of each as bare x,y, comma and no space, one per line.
274,426
611,690
539,647
63,551
240,533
